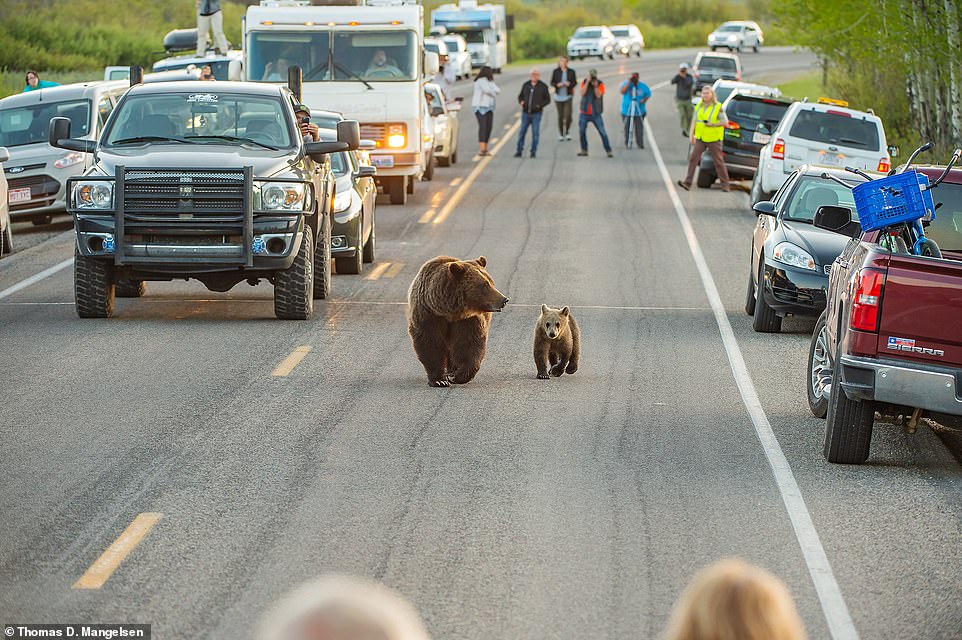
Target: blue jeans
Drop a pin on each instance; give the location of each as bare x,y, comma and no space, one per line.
534,121
599,123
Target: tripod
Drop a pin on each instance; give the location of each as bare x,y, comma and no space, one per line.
634,111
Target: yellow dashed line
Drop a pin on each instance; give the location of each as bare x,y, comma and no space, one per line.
104,567
426,217
456,182
287,365
378,271
394,270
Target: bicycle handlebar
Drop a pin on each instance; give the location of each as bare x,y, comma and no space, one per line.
859,172
924,147
827,176
955,158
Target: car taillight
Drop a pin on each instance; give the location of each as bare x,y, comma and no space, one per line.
778,150
884,165
732,125
867,299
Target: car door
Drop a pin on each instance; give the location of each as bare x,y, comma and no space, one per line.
366,188
765,224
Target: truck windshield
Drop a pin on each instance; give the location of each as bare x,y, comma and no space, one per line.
206,117
382,56
473,36
29,124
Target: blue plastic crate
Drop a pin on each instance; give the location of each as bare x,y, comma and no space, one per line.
893,200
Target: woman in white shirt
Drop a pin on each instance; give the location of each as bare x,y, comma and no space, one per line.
485,92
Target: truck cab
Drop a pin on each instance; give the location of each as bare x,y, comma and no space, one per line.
366,61
213,182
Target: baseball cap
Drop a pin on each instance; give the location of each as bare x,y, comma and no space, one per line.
593,72
302,107
683,65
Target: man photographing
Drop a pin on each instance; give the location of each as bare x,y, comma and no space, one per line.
308,129
635,94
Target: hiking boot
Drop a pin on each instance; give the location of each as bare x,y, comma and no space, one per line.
582,153
611,155
532,154
517,154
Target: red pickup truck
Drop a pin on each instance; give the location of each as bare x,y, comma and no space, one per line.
890,339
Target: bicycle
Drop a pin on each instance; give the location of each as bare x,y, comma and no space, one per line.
900,204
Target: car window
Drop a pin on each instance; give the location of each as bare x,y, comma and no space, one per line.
104,107
835,128
946,229
29,124
588,33
621,32
340,165
730,28
726,64
434,98
787,186
769,112
813,192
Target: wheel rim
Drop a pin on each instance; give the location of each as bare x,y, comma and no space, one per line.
821,368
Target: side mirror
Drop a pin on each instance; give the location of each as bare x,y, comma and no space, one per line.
893,150
58,135
366,171
4,154
317,150
349,131
837,220
235,70
765,208
437,111
431,63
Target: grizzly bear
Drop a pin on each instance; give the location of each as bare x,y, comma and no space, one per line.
449,310
557,341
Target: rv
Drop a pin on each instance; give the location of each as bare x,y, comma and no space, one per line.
484,26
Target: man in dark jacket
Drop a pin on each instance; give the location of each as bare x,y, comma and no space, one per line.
592,107
564,82
534,97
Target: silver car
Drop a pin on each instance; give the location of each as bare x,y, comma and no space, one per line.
6,233
737,35
628,40
591,41
36,172
458,55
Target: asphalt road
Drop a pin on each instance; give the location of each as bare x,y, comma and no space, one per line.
507,508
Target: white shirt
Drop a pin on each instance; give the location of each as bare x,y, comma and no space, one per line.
484,93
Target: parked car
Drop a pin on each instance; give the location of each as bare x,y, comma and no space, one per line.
724,88
116,73
446,128
709,67
737,35
6,232
438,46
825,132
751,120
591,41
628,40
458,55
36,172
890,340
353,234
791,258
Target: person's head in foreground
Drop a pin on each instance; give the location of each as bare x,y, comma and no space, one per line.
733,600
343,608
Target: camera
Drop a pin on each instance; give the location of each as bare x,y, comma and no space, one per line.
303,119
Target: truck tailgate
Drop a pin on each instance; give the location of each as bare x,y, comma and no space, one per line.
921,312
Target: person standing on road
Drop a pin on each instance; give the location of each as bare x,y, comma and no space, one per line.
32,78
707,134
634,95
533,98
592,108
564,82
209,17
684,88
733,600
483,101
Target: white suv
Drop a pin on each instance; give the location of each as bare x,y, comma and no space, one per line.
628,40
591,41
822,133
737,35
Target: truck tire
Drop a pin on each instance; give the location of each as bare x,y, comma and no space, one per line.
454,156
819,370
848,429
444,162
130,288
750,295
322,260
294,287
6,241
352,265
705,179
428,172
397,188
410,185
93,287
369,246
764,319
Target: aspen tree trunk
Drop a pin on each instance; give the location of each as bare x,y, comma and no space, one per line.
952,20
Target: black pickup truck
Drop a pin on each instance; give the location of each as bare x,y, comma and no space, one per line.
211,181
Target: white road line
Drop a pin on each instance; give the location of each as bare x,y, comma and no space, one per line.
46,273
829,594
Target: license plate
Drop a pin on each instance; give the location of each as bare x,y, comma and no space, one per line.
18,195
761,138
382,161
830,158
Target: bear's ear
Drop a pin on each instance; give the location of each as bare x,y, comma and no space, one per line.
544,308
565,311
482,261
457,268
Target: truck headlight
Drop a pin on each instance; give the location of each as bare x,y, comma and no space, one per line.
342,201
396,136
282,196
793,255
93,194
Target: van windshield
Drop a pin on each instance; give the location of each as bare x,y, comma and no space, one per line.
382,56
29,124
836,128
475,36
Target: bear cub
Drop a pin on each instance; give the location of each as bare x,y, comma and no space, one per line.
557,342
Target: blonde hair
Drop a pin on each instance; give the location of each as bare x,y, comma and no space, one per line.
733,600
711,91
343,608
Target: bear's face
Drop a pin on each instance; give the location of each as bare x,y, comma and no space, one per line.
474,288
553,322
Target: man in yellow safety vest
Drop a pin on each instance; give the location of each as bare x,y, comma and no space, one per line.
707,133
